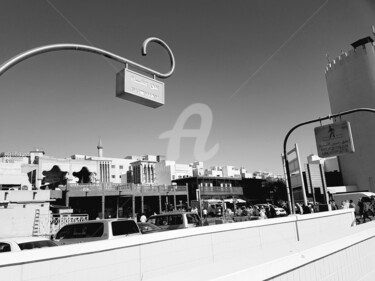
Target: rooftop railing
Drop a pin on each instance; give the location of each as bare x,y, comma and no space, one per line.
126,188
206,190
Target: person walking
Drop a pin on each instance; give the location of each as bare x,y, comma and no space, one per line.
262,213
204,211
143,218
366,210
353,206
333,205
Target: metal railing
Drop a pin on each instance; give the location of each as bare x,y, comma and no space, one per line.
49,224
126,188
221,190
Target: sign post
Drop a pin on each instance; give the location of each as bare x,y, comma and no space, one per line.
295,173
139,88
334,139
130,85
309,122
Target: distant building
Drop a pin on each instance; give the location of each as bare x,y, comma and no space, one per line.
214,171
17,169
330,167
212,187
170,170
265,175
351,84
245,174
198,169
143,172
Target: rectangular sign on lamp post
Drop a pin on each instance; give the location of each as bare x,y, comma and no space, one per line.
139,88
334,139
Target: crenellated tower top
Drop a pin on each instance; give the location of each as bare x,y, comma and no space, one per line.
361,48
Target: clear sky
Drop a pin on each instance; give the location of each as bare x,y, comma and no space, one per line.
258,65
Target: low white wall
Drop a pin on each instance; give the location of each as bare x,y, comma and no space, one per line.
350,258
326,225
17,213
158,255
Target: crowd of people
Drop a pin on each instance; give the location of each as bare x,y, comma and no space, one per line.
261,211
305,208
364,208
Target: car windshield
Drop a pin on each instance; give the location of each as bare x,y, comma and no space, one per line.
84,230
36,244
124,227
148,227
192,219
4,247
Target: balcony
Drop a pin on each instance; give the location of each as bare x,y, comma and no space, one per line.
221,190
123,189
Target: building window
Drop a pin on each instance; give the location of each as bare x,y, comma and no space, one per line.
121,167
113,176
113,166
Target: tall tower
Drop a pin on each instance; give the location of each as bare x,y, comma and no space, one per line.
100,148
351,84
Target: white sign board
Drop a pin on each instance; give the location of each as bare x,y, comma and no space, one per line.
334,139
295,180
139,88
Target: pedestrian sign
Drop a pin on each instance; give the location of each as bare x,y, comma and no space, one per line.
334,139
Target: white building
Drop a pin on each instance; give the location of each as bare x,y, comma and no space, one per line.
214,171
198,168
330,164
231,172
351,84
245,174
169,170
16,169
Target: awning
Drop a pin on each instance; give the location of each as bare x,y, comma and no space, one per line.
212,201
237,200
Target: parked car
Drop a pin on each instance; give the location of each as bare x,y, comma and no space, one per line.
176,220
147,228
280,212
96,230
17,244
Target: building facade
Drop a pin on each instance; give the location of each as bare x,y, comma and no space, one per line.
351,84
212,187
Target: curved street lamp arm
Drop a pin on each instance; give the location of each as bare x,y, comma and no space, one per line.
305,123
59,47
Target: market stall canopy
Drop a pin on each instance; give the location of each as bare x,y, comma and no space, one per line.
213,201
236,200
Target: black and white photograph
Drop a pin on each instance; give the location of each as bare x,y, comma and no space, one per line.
204,140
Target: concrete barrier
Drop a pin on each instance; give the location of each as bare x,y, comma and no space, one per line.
207,251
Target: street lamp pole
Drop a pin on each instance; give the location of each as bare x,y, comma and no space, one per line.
77,47
123,92
289,185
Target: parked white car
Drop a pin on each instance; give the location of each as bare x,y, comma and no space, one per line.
17,244
95,230
280,212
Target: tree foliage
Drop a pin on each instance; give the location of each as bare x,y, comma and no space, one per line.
275,190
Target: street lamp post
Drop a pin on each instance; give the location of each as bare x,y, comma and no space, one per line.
166,201
289,185
77,47
124,88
